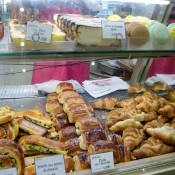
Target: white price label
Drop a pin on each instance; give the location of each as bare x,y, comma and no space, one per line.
38,32
101,162
113,29
9,171
51,165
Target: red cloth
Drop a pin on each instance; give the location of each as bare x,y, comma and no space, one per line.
61,70
162,66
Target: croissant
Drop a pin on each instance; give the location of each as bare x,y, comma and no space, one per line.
153,124
165,133
132,137
136,88
129,103
121,125
144,117
171,95
168,110
151,105
160,86
152,147
105,103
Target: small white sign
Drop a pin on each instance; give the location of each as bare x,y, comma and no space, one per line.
9,171
113,29
51,165
38,32
101,162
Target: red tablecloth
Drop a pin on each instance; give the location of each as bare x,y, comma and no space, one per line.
60,70
162,66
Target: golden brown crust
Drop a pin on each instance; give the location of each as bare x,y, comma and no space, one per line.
84,124
40,120
165,133
81,161
14,154
121,153
6,117
30,170
132,137
61,122
67,133
42,141
64,86
168,110
121,125
152,147
52,105
79,110
160,86
117,139
52,97
153,124
62,96
105,103
171,95
6,162
136,88
31,128
74,146
69,164
91,136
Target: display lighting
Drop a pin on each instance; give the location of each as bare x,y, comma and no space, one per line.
161,2
21,9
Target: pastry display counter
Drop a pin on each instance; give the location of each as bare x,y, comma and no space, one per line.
139,43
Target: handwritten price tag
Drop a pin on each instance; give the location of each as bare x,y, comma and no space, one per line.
9,171
38,32
101,162
113,29
51,165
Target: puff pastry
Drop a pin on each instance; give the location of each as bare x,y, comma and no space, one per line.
160,86
67,133
84,124
52,105
136,88
117,139
37,119
121,153
91,136
171,95
52,97
121,125
168,110
64,86
165,133
152,147
62,96
105,103
132,137
42,144
81,161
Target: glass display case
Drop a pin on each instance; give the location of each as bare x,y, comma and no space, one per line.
41,40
